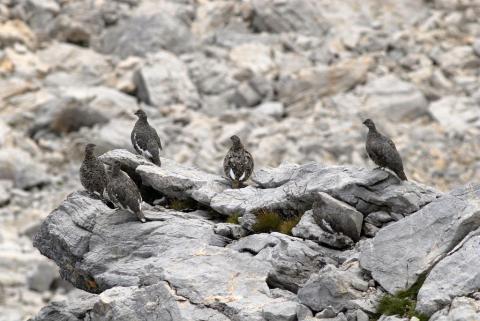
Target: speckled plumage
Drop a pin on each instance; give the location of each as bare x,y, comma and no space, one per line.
123,192
382,151
238,163
92,173
145,139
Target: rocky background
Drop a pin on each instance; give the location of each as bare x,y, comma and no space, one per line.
293,78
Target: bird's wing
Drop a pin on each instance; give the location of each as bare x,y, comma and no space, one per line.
226,164
249,164
156,137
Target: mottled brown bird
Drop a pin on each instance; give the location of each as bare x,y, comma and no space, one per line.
123,192
92,173
382,151
238,163
145,139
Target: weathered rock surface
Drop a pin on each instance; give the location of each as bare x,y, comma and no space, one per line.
151,302
164,80
454,276
138,35
337,288
98,249
308,229
294,187
293,261
287,187
19,167
396,99
402,251
461,309
340,216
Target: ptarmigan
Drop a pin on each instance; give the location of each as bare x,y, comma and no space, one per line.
92,173
238,163
382,151
145,139
123,192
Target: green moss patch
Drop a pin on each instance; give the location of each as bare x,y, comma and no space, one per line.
233,219
272,221
403,303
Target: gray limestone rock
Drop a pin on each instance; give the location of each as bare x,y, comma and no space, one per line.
139,34
308,229
402,251
461,309
454,276
332,287
340,216
98,249
164,81
281,311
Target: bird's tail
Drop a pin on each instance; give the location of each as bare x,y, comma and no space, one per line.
156,160
401,175
141,216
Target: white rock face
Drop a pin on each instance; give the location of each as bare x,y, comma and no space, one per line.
164,81
340,216
457,114
461,309
402,251
394,98
455,275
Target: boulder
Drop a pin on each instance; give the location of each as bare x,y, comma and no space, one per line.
71,65
18,166
461,309
308,229
73,308
288,187
454,276
172,179
400,252
150,302
139,34
5,191
289,16
333,287
307,84
294,187
293,260
41,278
103,250
394,99
16,31
340,216
282,311
456,114
164,81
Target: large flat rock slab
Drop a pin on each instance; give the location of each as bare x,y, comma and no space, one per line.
458,274
288,187
98,248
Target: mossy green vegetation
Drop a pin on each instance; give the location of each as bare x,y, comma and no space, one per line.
233,219
403,303
273,221
182,205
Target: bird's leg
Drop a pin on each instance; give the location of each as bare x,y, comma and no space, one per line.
235,184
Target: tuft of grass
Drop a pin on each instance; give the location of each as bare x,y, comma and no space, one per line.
182,204
267,221
271,221
287,225
233,219
403,303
